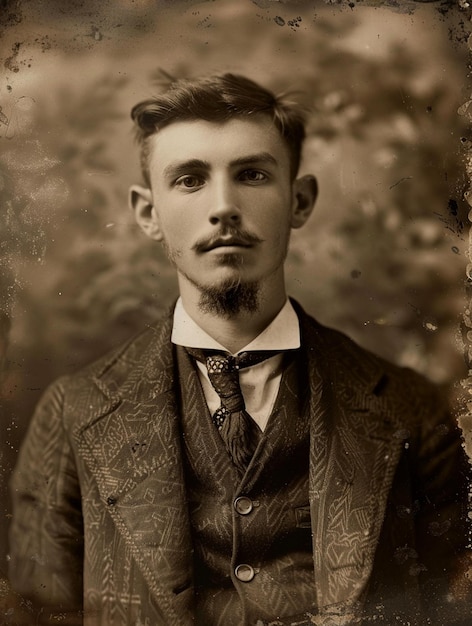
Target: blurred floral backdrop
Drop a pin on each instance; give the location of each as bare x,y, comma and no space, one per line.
383,258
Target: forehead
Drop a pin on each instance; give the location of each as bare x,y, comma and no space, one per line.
217,143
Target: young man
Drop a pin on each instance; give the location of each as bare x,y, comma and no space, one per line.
237,463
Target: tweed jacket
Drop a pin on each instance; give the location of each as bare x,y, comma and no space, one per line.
100,528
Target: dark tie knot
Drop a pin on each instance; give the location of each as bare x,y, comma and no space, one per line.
225,363
221,364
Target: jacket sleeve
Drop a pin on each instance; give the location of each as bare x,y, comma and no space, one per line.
46,535
440,509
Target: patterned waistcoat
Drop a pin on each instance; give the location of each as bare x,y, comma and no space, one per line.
253,553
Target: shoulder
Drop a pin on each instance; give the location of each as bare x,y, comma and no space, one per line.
349,366
99,381
131,352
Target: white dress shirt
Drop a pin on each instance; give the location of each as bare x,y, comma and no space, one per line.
259,383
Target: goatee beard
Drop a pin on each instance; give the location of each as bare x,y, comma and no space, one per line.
229,299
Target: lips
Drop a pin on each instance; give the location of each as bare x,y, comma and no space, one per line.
226,242
230,238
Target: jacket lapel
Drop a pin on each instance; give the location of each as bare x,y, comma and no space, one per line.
132,445
354,452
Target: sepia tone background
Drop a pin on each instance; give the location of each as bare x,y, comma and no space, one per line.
383,257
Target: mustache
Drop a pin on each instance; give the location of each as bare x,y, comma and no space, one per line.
228,236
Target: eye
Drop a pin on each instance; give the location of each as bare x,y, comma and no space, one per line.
189,181
253,176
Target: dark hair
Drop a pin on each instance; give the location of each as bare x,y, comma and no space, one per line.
217,99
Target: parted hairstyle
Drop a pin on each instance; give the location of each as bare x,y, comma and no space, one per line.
217,99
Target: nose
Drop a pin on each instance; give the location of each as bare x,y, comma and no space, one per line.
224,204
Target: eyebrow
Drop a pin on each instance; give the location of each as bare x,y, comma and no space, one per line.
182,167
179,168
262,157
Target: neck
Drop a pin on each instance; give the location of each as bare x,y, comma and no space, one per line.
235,331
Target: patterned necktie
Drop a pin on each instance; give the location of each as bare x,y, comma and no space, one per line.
239,431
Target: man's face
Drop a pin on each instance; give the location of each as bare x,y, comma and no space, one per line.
221,200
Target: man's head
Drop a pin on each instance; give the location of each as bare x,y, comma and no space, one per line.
217,99
220,158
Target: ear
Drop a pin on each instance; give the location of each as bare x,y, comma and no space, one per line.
305,192
141,202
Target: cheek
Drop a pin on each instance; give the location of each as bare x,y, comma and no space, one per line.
181,218
175,225
273,216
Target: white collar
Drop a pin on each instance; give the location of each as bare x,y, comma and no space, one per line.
283,333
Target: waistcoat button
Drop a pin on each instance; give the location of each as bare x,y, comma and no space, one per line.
243,505
245,573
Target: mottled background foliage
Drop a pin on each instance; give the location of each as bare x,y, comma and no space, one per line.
383,257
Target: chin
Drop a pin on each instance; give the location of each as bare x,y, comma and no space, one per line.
224,277
230,298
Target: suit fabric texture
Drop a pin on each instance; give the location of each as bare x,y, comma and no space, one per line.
276,532
101,530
